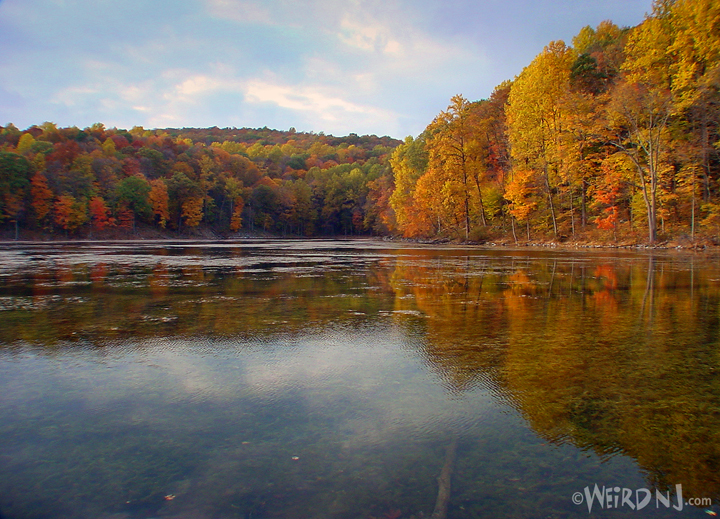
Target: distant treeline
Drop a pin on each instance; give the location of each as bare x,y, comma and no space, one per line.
99,180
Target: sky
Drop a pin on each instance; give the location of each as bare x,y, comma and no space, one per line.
384,67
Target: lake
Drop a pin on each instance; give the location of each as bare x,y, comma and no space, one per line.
356,379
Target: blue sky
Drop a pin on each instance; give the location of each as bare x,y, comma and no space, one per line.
378,66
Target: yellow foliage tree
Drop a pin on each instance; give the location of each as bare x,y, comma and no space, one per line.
192,211
535,113
159,201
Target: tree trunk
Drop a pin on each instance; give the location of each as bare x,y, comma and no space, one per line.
550,201
482,206
572,213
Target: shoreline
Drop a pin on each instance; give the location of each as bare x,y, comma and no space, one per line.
699,247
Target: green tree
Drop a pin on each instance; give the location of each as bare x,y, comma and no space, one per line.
14,187
133,193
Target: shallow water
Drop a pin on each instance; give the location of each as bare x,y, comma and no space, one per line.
326,379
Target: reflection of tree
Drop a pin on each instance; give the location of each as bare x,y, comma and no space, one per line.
568,343
615,358
105,301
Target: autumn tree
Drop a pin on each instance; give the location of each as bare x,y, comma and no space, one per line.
233,190
454,150
408,162
70,214
535,116
695,84
99,214
639,112
181,189
192,211
519,193
159,201
41,198
25,143
638,117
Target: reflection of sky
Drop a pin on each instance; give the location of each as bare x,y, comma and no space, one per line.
371,370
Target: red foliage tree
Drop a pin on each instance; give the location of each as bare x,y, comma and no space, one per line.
100,214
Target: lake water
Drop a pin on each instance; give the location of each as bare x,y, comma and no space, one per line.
331,379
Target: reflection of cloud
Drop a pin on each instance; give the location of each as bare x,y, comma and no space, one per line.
365,382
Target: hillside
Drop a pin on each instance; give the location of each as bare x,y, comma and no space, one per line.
107,182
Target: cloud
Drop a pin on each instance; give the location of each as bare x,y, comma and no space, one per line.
240,11
371,36
365,66
320,107
308,99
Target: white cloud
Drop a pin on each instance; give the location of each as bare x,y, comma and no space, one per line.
240,11
314,100
368,35
75,95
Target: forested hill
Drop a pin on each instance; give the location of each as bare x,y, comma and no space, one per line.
108,182
614,137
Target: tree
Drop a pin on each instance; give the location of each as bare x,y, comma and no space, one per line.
234,190
408,162
14,183
132,193
78,180
192,211
236,219
695,67
519,193
41,197
25,144
181,189
638,119
70,213
99,214
109,148
535,115
159,201
454,148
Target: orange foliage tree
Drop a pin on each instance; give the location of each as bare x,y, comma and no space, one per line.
41,197
70,213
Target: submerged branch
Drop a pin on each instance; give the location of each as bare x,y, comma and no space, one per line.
443,496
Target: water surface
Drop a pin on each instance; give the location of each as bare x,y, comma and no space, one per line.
326,379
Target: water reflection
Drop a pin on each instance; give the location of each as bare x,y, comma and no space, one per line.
224,362
614,357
